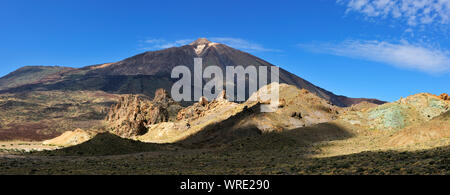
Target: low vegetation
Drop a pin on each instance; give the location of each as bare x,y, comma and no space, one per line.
227,138
276,157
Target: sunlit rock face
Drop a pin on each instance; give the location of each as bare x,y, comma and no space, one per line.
132,115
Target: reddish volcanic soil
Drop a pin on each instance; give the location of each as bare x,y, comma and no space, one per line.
26,132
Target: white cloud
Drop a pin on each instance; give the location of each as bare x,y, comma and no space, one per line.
413,12
154,41
242,44
151,44
402,54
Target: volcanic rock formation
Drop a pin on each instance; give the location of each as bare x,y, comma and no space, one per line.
132,114
400,114
435,130
222,120
200,108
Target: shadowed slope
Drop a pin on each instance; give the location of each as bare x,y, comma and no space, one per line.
223,135
106,144
239,160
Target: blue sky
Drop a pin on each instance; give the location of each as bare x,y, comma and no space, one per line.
382,49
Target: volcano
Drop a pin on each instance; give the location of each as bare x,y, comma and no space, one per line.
146,72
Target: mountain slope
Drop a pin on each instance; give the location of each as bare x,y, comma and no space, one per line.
146,72
434,130
412,110
29,75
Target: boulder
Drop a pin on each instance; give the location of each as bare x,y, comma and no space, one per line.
203,101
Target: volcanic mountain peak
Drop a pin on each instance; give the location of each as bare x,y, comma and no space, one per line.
200,41
201,45
146,72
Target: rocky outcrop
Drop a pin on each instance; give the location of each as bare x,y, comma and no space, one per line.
192,120
425,133
397,115
444,96
220,121
202,106
194,111
132,115
296,108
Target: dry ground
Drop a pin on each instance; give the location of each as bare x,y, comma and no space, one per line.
7,147
331,148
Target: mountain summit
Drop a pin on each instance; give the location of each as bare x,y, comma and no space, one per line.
201,44
201,41
146,72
